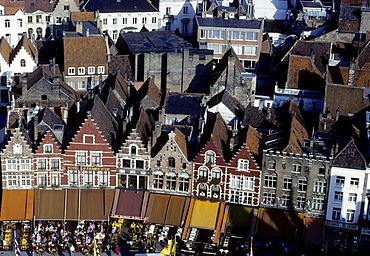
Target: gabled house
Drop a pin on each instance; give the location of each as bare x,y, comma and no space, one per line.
17,170
24,58
171,170
210,164
347,195
12,20
48,164
116,16
148,94
89,160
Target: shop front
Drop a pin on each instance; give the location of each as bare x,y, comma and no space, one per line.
341,238
16,216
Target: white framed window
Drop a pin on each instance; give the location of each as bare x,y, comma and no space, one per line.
81,70
29,19
38,18
301,201
88,178
105,21
154,20
20,23
354,182
81,157
55,179
247,198
250,50
171,181
42,179
217,48
103,178
335,214
101,70
302,185
296,168
91,70
11,165
54,163
216,34
58,20
7,23
41,164
251,36
114,21
339,181
158,180
168,10
287,183
338,196
352,198
144,20
96,158
210,158
270,180
134,20
23,62
88,139
124,20
203,173
48,148
248,183
350,215
71,71
285,200
234,196
184,182
271,165
73,177
268,198
318,203
235,181
243,165
203,34
25,165
216,174
319,186
236,35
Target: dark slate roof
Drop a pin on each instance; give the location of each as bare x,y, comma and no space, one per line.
121,63
350,157
311,4
89,26
185,104
228,23
39,5
229,101
118,6
154,41
349,19
50,118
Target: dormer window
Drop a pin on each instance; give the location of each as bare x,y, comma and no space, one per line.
81,70
243,165
101,70
23,62
71,71
48,148
91,70
210,158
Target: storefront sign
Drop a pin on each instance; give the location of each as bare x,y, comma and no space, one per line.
365,231
336,224
126,217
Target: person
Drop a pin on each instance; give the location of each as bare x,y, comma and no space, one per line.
72,249
117,249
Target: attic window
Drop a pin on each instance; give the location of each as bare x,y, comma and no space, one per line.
23,62
101,70
44,97
81,70
243,165
71,71
66,7
48,148
88,139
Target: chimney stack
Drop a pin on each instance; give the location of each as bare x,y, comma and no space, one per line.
79,27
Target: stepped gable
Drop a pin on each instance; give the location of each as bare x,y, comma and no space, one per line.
26,44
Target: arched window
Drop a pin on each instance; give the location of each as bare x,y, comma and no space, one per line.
215,191
39,33
133,150
210,158
202,190
216,174
23,62
203,173
171,162
30,33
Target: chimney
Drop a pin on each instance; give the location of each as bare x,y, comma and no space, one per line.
77,106
79,27
24,85
100,82
52,66
337,114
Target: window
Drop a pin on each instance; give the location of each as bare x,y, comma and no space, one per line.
285,200
20,23
322,170
81,70
126,163
7,23
185,10
352,198
215,192
41,164
338,196
158,180
88,178
103,178
247,198
238,49
287,183
217,48
251,36
318,203
133,150
248,183
114,21
339,181
25,165
101,70
88,139
171,181
47,18
8,37
271,165
243,165
58,20
183,166
105,21
235,181
168,10
296,168
234,196
23,62
55,179
216,174
354,182
250,50
96,158
319,186
81,158
124,20
54,163
216,34
139,164
42,179
203,34
29,19
335,214
48,148
301,202
302,185
91,70
203,173
154,20
144,20
210,158
115,34
270,181
44,97
268,198
184,182
134,20
350,215
73,177
235,35
71,71
171,162
38,18
66,7
81,85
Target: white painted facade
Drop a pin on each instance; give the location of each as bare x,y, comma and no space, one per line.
224,111
12,27
271,9
16,64
177,14
346,192
121,22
